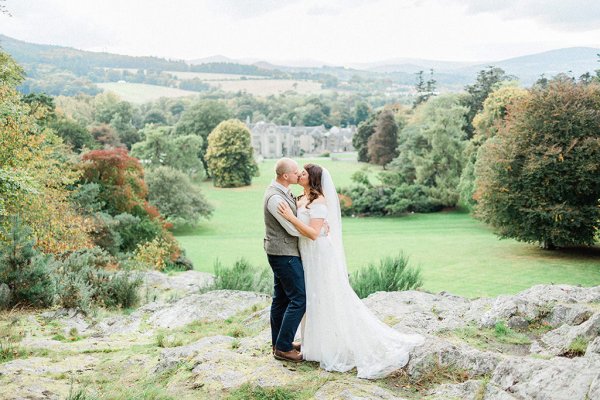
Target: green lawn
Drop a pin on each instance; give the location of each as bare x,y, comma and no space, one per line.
457,253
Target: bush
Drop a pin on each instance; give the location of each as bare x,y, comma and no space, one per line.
155,253
392,274
242,276
84,281
178,200
23,269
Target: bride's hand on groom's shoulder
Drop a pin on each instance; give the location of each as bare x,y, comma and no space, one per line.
285,210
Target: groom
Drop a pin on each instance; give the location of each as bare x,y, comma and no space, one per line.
281,246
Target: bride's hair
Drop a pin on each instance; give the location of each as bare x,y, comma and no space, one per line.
314,182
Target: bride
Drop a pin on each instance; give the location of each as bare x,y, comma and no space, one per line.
338,330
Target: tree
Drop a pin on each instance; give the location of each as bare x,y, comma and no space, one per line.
382,144
201,119
105,135
424,90
430,160
361,112
487,81
73,133
36,173
486,123
177,199
360,139
230,155
121,180
538,179
179,152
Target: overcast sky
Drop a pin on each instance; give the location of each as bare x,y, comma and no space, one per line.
339,32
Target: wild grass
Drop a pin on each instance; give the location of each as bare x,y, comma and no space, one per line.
392,274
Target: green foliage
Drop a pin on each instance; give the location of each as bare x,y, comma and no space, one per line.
177,199
11,73
538,179
430,148
392,274
242,276
134,230
73,133
487,81
201,119
381,146
180,152
24,269
230,155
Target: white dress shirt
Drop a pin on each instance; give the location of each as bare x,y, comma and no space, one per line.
273,204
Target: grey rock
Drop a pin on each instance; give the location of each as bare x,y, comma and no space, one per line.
570,314
172,356
438,352
423,312
557,341
537,302
593,348
188,281
469,390
353,390
556,379
211,306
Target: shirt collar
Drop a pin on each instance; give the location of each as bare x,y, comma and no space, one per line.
281,187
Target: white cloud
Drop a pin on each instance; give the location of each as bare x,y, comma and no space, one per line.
580,15
337,32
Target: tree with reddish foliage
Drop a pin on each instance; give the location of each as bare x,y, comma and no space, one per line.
382,144
121,180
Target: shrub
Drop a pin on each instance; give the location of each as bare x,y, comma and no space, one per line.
84,280
26,272
178,200
154,253
392,274
242,276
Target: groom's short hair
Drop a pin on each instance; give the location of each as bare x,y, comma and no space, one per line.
284,166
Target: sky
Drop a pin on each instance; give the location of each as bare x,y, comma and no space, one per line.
337,32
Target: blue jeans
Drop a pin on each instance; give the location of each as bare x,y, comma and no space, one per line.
289,299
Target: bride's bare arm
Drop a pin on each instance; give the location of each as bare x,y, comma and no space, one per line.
311,231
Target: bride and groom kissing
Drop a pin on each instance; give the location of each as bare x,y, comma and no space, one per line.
303,242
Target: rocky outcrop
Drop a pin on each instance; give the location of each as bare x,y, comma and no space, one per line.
163,341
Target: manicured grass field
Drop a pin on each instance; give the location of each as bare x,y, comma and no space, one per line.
457,253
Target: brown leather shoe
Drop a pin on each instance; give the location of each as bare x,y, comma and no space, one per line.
295,345
292,355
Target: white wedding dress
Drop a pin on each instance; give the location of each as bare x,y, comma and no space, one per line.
338,330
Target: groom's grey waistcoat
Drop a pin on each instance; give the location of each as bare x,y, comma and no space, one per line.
277,241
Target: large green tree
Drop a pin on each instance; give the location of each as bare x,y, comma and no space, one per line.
230,155
538,179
